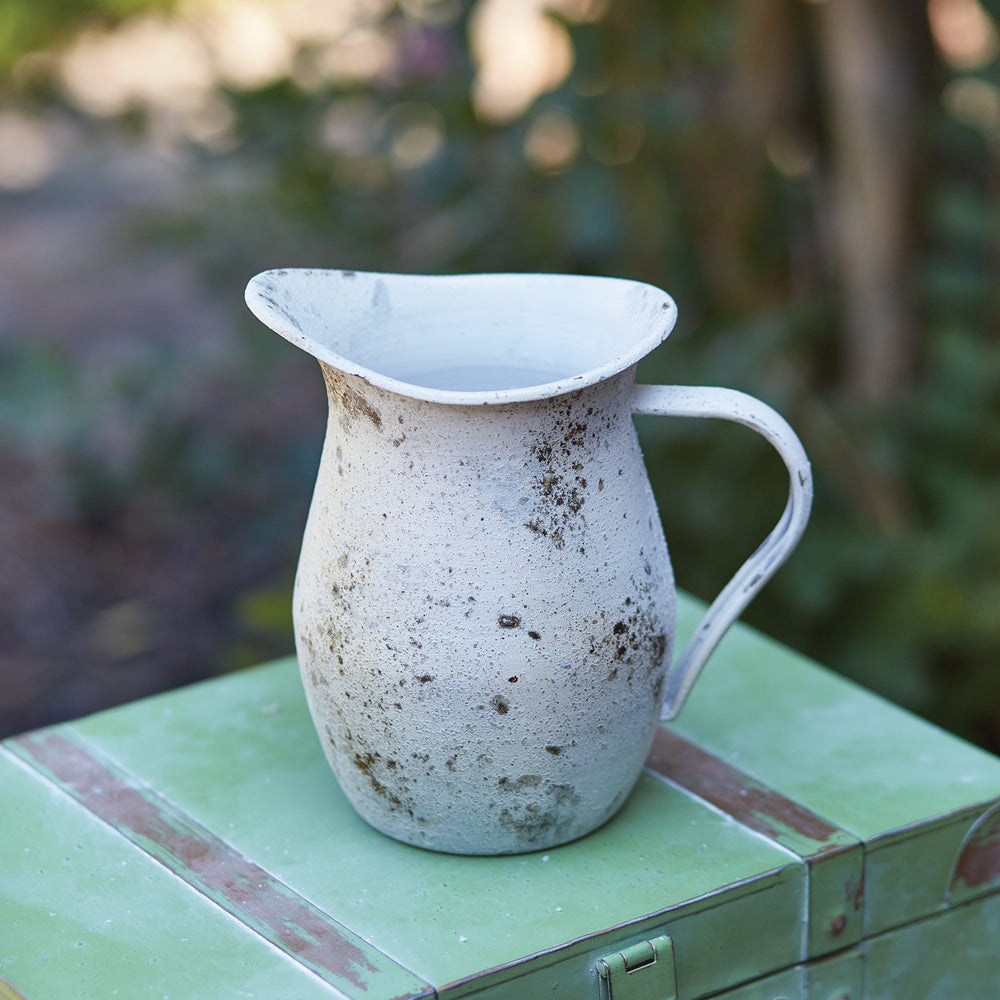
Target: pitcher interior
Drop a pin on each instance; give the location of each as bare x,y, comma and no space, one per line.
465,333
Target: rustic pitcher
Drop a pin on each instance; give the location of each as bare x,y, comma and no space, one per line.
484,605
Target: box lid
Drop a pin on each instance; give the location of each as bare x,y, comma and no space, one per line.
780,829
225,784
922,803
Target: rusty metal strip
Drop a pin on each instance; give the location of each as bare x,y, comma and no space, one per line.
7,992
744,798
834,858
977,868
245,890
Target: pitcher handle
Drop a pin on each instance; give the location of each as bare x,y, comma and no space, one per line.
728,404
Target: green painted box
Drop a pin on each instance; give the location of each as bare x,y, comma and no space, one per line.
792,837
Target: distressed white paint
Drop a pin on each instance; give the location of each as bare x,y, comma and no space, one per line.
484,605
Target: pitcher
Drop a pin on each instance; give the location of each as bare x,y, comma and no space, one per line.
484,606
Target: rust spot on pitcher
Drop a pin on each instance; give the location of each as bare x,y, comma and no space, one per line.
347,399
536,812
636,642
366,764
557,463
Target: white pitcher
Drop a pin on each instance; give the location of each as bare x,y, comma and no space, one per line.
484,605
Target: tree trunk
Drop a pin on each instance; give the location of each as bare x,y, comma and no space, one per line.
870,74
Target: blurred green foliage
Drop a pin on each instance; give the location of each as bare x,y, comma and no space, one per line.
27,26
897,582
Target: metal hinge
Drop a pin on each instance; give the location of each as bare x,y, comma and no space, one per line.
643,972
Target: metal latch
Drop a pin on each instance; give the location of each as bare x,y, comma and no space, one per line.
643,972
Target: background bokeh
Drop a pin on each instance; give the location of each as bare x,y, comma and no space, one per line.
816,183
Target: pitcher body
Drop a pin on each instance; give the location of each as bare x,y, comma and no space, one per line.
484,612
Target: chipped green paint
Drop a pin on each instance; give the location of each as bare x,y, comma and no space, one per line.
951,957
84,914
750,801
278,805
833,857
7,992
847,755
977,868
903,788
244,889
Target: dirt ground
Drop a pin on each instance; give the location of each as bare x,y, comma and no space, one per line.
140,512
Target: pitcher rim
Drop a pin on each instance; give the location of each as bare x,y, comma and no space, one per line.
269,312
